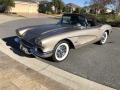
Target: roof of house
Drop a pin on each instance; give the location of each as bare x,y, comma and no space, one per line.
72,5
32,1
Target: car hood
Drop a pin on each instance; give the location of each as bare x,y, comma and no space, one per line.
44,31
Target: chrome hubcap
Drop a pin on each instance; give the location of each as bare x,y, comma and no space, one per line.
62,51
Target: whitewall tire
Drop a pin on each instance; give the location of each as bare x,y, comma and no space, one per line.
61,51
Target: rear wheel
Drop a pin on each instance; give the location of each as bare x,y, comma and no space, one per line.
104,38
61,51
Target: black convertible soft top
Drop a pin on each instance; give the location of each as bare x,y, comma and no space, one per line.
87,16
90,18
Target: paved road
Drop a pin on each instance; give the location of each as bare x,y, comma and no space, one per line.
8,29
97,63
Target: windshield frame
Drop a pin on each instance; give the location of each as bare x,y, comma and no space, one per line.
74,17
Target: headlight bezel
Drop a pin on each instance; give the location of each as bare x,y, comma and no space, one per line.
21,32
38,42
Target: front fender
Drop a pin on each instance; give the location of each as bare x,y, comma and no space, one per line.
106,27
48,44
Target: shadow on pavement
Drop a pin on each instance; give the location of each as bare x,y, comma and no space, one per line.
14,46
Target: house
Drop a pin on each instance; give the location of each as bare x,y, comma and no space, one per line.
25,6
72,6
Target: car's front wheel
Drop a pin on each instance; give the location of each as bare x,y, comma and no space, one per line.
61,51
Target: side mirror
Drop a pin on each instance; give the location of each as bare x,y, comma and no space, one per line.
80,26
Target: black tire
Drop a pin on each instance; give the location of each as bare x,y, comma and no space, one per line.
55,51
103,39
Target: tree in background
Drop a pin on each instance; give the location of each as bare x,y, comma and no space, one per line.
45,7
59,5
7,4
67,9
118,6
82,10
97,8
104,3
77,10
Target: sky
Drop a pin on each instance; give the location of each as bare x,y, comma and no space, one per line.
81,3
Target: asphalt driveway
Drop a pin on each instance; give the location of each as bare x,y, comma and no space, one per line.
94,62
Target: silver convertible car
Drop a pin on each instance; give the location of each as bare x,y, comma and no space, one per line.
56,40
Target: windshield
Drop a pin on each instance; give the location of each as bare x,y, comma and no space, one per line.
73,20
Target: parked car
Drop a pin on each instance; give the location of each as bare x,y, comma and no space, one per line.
72,32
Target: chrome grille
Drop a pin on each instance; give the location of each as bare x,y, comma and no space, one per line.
26,43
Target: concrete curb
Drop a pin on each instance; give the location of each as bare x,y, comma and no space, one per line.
61,76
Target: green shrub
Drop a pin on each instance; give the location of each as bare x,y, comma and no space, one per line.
101,18
113,20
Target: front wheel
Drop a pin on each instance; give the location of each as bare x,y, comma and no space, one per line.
61,51
103,38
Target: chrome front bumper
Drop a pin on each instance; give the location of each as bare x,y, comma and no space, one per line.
40,54
33,50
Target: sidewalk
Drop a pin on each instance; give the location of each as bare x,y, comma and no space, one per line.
15,76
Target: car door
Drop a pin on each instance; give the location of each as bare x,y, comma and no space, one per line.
88,35
84,33
80,37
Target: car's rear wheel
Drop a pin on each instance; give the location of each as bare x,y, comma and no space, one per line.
61,51
103,38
